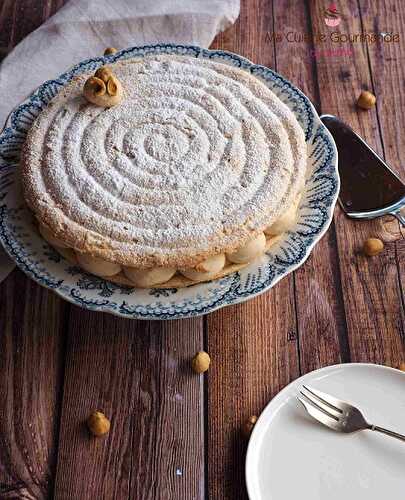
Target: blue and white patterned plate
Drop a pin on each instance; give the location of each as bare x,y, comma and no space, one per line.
43,264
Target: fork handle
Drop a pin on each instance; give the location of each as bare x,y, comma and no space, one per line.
393,434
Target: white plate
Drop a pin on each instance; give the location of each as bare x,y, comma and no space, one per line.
290,456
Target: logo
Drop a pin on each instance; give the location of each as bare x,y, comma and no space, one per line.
332,17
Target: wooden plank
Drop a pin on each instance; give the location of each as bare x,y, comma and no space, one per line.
253,345
31,370
19,17
388,77
388,74
254,354
137,373
7,20
320,312
29,15
32,322
52,6
372,296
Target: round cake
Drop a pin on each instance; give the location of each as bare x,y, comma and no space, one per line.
191,176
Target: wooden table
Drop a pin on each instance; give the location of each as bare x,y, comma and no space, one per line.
174,434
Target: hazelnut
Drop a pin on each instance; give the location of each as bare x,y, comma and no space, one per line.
104,73
112,86
98,423
366,100
95,85
373,246
248,425
98,92
402,366
110,50
201,362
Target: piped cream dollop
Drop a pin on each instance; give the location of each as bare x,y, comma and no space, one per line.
69,254
286,221
149,277
206,269
97,266
250,251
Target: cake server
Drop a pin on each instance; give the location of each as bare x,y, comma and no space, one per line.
369,187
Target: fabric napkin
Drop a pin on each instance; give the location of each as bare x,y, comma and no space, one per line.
84,28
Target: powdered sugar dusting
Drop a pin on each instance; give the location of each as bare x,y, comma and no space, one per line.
197,158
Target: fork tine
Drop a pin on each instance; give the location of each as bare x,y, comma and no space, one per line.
327,399
322,408
331,410
321,402
319,414
303,402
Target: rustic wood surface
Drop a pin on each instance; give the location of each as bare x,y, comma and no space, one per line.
174,434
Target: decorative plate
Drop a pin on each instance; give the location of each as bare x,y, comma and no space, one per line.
43,264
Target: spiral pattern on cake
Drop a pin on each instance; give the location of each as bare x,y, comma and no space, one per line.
197,159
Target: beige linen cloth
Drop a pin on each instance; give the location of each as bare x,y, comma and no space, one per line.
84,28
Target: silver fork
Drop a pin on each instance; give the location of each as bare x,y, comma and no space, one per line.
336,414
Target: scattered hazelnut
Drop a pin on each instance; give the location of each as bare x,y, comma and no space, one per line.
104,73
248,425
110,50
201,362
98,423
373,246
366,100
402,366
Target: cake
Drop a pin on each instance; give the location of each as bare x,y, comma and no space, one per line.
194,174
